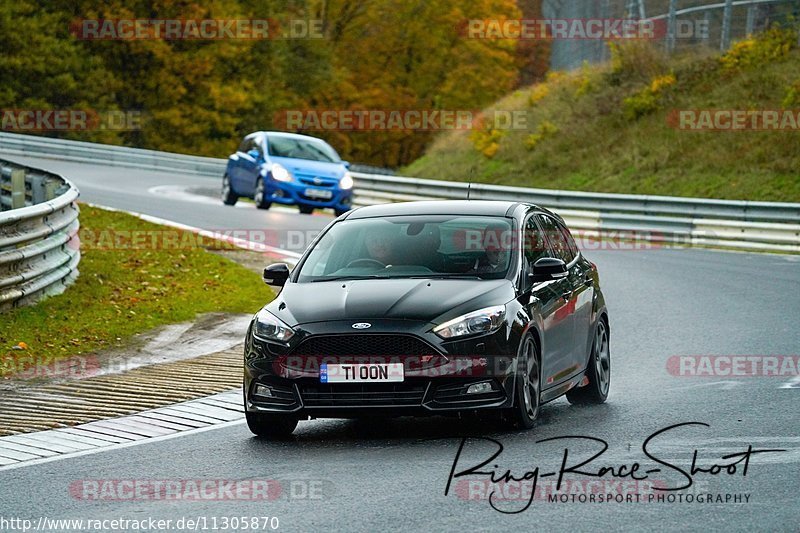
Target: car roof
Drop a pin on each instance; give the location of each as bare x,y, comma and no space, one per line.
442,207
286,135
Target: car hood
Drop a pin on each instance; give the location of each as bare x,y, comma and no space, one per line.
305,166
411,299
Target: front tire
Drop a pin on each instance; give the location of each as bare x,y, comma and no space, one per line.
340,212
260,196
528,385
305,209
269,426
598,371
228,196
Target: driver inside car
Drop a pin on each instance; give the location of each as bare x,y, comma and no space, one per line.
495,255
379,247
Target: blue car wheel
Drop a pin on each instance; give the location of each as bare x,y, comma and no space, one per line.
260,196
228,196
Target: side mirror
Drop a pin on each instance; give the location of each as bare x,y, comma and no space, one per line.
549,268
346,164
254,154
276,274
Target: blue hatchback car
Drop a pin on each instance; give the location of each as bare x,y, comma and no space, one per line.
290,169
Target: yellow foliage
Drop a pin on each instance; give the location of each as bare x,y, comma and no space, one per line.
487,141
546,129
792,96
491,150
648,99
538,93
662,82
770,46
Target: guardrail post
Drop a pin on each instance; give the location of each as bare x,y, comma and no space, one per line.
17,188
673,23
751,20
635,9
50,188
725,41
38,193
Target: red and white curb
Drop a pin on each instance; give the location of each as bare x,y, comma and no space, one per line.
175,420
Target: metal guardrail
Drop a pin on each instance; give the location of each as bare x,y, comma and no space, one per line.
85,152
735,224
39,251
692,221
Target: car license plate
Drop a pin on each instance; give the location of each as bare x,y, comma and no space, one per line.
361,373
319,193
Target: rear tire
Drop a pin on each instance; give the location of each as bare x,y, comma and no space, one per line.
228,196
305,209
528,386
260,196
269,426
598,371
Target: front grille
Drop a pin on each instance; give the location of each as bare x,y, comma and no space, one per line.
363,345
363,395
322,183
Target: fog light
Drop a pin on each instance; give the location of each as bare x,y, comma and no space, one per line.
262,390
480,388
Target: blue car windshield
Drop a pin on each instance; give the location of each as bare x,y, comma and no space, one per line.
433,246
298,148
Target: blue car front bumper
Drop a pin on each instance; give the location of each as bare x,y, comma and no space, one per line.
294,193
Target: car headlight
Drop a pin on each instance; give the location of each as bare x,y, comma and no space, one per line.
270,327
484,321
279,173
346,182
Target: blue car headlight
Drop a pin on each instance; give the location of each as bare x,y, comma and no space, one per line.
279,173
346,183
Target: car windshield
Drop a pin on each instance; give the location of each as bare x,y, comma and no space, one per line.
412,247
298,148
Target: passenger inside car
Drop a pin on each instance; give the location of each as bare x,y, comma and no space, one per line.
496,251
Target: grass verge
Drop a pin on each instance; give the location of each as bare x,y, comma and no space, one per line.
123,291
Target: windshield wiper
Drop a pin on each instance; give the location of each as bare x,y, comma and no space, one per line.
447,276
346,278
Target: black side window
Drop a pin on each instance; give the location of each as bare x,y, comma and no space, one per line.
556,237
573,248
535,245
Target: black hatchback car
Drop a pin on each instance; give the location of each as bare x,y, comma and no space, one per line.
429,308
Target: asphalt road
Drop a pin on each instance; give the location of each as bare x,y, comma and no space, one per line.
392,475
